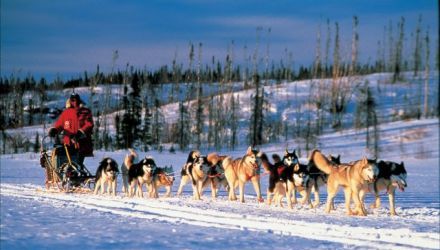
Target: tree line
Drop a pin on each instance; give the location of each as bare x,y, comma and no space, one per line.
210,119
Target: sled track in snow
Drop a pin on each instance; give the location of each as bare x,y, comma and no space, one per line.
165,211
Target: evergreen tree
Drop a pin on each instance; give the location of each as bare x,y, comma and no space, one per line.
158,124
257,119
135,114
183,127
233,120
37,143
366,117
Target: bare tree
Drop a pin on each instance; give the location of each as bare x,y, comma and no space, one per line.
425,108
417,48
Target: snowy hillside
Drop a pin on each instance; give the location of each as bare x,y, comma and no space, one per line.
289,107
34,219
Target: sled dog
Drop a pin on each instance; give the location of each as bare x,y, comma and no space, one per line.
198,173
128,161
318,178
107,173
216,174
279,175
139,174
163,177
185,178
392,175
352,177
242,170
301,183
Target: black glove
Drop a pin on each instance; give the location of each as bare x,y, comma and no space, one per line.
52,132
80,135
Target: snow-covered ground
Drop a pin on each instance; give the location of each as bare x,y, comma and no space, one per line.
34,219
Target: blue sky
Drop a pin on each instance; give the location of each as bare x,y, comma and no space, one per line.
46,38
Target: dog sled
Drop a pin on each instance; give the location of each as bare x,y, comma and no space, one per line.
62,171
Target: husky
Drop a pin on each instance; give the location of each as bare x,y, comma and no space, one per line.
128,161
185,178
242,170
142,173
198,173
216,174
279,175
163,177
107,173
318,178
392,175
352,177
301,183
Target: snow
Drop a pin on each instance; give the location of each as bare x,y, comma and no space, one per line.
32,218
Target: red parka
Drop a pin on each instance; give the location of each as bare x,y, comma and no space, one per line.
71,121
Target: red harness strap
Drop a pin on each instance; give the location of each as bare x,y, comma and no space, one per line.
280,169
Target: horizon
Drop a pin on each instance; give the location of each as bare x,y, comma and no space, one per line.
65,39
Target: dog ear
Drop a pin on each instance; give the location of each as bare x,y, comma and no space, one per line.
249,150
402,164
286,152
364,160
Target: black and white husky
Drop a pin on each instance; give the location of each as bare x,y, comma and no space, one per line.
106,173
139,174
185,178
392,175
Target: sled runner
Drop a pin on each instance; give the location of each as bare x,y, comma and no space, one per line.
63,172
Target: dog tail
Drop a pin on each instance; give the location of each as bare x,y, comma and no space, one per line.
130,158
321,162
266,163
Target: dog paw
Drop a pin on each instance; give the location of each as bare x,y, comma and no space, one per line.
261,200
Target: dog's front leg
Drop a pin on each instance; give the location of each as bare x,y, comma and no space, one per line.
391,195
139,191
196,195
241,190
348,195
131,191
256,183
97,185
359,210
213,189
168,191
152,190
109,186
183,180
232,186
289,195
200,188
114,182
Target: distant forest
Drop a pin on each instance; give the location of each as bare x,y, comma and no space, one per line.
212,121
